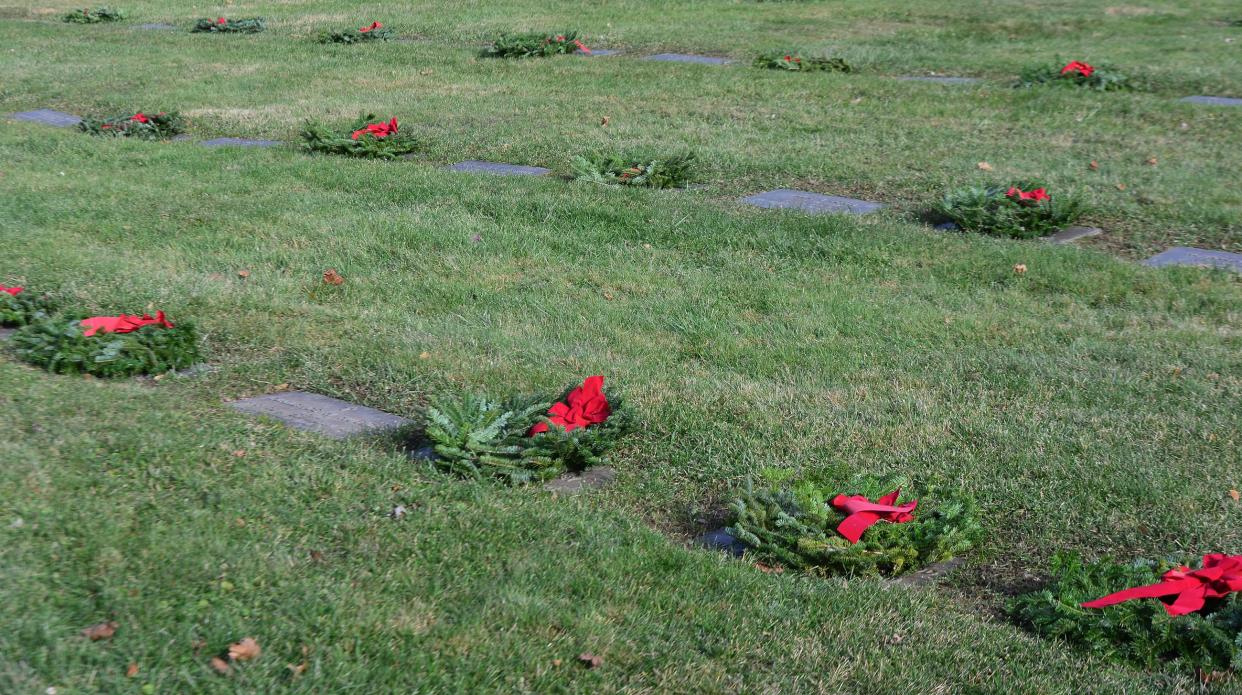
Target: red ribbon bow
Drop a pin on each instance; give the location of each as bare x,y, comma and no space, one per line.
379,130
581,46
1220,575
140,117
374,25
125,323
1035,196
585,405
221,20
11,290
863,513
1079,67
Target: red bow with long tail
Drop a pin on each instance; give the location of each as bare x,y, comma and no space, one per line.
863,513
125,323
1220,574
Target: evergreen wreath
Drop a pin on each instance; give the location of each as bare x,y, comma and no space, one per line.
159,126
1076,73
93,15
222,25
374,32
793,61
58,345
367,137
1140,631
23,307
478,437
793,523
1023,210
653,171
535,45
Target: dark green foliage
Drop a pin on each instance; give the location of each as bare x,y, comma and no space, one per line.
654,171
249,25
794,524
1137,631
156,127
989,210
1103,78
477,437
57,344
533,44
317,137
93,15
794,61
355,35
23,308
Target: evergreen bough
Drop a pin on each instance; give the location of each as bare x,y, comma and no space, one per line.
669,171
792,61
57,345
533,45
320,138
1139,631
1103,78
989,210
793,523
158,126
93,15
478,437
249,25
23,308
355,35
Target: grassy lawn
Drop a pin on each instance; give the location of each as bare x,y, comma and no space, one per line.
1090,404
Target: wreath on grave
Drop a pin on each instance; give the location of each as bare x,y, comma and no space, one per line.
157,126
93,15
1023,210
651,171
866,526
367,137
525,439
373,32
1197,621
108,346
223,25
535,45
1075,74
19,307
793,61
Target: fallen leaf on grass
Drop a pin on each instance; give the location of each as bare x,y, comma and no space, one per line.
1121,187
245,650
424,355
1019,268
220,665
1237,496
769,569
332,277
984,166
603,122
296,670
590,660
316,556
243,274
100,631
556,662
1094,165
1151,161
131,670
239,453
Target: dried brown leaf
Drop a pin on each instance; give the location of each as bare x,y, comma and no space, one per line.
1094,165
1237,496
243,274
220,665
131,670
984,166
100,631
590,660
244,650
332,277
1019,268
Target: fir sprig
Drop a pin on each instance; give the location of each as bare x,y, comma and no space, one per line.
991,210
23,308
1139,631
57,344
320,138
156,126
650,171
222,25
534,45
93,15
793,523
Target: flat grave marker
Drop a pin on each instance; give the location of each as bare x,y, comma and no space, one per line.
475,166
687,58
721,539
1213,101
58,119
239,142
814,203
1069,234
155,26
941,79
1186,255
324,415
601,52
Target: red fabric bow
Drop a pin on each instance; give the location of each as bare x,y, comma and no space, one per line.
1079,67
374,25
379,130
863,513
585,405
1220,574
125,323
140,117
11,290
221,20
1035,196
581,46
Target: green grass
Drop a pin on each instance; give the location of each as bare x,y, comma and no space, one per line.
1091,404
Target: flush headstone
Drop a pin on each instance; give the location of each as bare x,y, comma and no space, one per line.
1185,255
324,415
480,167
686,58
155,26
596,52
51,117
721,539
1069,234
940,79
1213,101
814,203
239,142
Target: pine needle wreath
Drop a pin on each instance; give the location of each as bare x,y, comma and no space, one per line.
793,523
667,171
356,35
534,45
23,308
1140,632
477,437
221,25
1102,78
997,211
320,138
793,61
57,345
93,15
157,126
